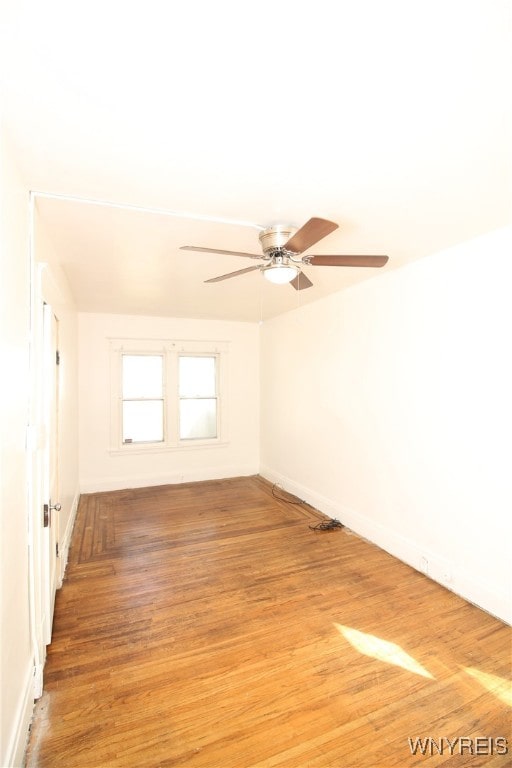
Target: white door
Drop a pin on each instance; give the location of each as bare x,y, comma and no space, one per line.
51,506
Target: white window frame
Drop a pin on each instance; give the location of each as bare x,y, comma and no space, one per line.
215,397
162,398
171,350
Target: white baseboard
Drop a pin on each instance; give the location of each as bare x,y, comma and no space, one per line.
15,753
97,485
436,567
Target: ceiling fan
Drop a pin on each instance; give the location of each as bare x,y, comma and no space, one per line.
282,259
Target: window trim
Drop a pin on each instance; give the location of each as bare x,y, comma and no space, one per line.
171,351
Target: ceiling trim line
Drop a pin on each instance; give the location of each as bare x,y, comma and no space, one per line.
143,209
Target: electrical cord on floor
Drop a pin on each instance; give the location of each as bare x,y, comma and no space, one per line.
286,501
329,525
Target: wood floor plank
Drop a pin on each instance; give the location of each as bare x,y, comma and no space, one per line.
207,625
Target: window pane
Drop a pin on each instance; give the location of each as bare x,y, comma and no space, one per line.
143,421
197,376
142,376
198,419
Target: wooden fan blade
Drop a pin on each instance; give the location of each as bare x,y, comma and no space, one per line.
231,274
309,234
347,261
215,250
301,281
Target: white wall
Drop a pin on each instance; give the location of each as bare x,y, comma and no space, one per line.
101,469
21,508
388,407
16,666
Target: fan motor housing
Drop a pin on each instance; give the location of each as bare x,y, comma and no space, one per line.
274,238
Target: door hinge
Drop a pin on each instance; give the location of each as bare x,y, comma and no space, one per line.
57,549
57,357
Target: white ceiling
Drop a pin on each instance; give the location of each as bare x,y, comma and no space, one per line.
390,118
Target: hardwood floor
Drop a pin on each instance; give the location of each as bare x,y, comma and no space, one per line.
207,625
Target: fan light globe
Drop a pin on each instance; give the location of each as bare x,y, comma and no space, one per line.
279,274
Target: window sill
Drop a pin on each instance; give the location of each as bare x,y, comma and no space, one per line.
187,445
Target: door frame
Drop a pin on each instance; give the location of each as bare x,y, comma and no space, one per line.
38,467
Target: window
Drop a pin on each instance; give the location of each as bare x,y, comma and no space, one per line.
167,395
198,397
143,398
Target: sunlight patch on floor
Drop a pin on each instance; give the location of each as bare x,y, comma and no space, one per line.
383,650
499,686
